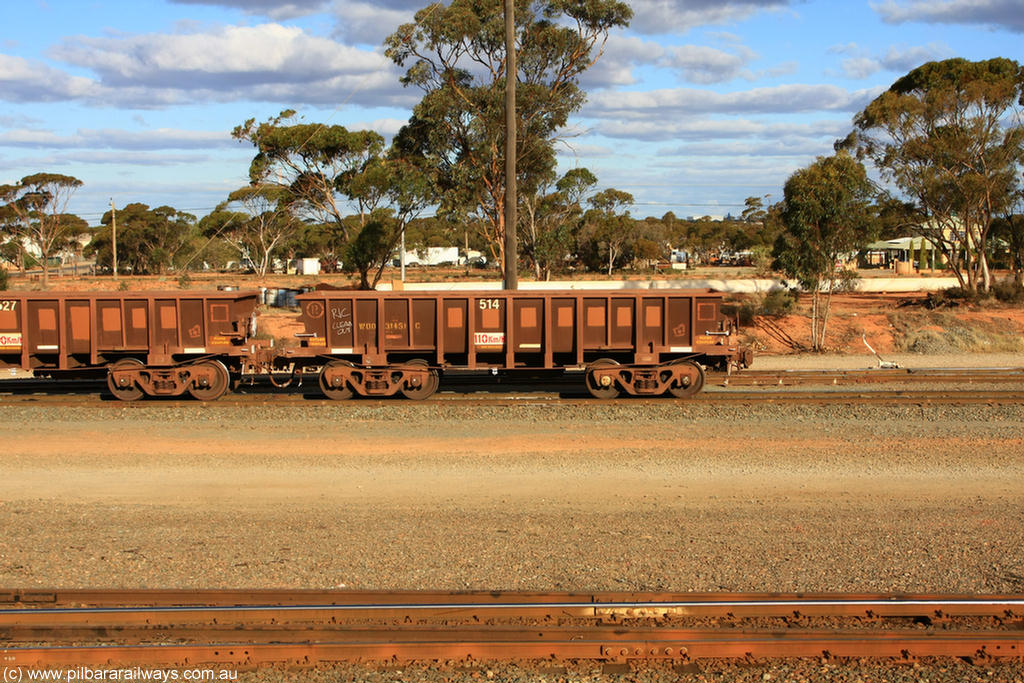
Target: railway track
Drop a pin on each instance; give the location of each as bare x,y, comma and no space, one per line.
852,397
247,629
962,376
964,385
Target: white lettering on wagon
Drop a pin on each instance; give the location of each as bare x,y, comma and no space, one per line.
489,338
10,340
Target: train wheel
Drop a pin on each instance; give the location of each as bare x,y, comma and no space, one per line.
127,392
695,385
596,389
336,393
211,390
426,389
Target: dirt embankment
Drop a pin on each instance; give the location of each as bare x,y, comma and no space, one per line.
894,324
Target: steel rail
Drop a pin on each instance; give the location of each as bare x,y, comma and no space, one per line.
304,628
482,644
534,607
748,378
870,376
846,396
21,601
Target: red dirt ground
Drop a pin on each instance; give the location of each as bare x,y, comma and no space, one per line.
854,315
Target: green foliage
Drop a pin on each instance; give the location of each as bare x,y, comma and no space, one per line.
211,253
148,240
948,135
455,54
1009,230
34,210
184,280
763,260
311,172
255,220
607,230
371,247
3,279
550,219
773,305
827,214
1009,291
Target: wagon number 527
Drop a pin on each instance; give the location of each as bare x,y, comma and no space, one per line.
489,303
8,305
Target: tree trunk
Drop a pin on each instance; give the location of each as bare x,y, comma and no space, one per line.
825,314
815,294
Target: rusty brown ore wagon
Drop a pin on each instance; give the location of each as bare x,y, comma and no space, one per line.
637,342
148,343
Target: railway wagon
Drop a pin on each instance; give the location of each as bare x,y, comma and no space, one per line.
147,343
636,342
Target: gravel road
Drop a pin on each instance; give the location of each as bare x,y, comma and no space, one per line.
432,496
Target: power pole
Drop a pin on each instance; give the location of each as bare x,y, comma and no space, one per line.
113,230
511,74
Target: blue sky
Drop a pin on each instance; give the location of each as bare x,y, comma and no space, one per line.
698,105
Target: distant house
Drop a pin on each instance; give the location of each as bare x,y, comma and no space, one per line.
908,250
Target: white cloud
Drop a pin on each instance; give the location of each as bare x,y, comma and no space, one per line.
234,56
275,9
23,80
907,58
385,127
621,55
897,58
1004,14
788,147
673,16
369,23
573,150
783,99
268,62
157,139
705,130
705,65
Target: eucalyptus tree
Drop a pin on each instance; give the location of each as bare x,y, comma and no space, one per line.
949,137
827,213
327,171
35,210
455,54
607,229
550,218
148,240
255,220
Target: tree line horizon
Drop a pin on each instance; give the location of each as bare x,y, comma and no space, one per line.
946,141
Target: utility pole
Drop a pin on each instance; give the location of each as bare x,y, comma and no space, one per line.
511,74
113,230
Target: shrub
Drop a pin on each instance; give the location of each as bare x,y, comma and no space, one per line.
3,279
778,303
773,305
1009,291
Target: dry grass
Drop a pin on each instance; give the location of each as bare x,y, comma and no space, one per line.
946,332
